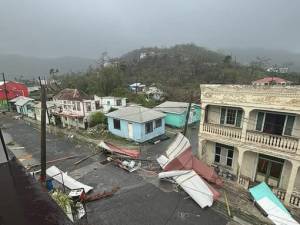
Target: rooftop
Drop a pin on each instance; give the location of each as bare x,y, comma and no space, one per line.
172,107
275,80
72,94
137,114
23,101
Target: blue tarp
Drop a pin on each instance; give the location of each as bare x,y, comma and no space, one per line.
262,190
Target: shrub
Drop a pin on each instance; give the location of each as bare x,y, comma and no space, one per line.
97,118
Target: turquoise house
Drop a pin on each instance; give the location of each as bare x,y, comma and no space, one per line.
136,123
25,106
176,113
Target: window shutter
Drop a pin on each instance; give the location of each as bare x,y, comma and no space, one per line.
260,119
239,118
223,112
289,125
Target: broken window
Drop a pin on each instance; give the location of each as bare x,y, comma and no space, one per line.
78,106
88,107
149,127
117,124
224,155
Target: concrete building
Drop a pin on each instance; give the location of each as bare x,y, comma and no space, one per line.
24,106
251,133
176,113
272,81
108,102
136,123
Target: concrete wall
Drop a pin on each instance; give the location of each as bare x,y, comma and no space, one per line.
285,174
213,114
249,164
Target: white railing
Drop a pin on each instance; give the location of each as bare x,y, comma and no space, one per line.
288,144
295,199
217,129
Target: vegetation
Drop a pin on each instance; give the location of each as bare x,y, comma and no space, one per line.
177,71
97,118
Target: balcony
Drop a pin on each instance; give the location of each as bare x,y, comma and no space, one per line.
282,143
224,131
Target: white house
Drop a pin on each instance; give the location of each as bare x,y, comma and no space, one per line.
137,87
106,103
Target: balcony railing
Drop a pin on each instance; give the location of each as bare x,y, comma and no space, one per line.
225,131
283,143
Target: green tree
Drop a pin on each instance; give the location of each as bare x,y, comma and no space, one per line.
97,118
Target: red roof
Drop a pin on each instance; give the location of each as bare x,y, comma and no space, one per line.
276,80
13,89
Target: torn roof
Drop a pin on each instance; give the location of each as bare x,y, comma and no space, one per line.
136,114
72,95
23,101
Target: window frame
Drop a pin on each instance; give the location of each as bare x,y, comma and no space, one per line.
150,123
160,123
224,152
117,121
235,115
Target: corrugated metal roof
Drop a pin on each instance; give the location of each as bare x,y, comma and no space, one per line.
172,107
23,101
137,114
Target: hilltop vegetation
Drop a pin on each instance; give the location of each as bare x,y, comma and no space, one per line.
177,70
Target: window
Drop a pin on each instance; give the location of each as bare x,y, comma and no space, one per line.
149,127
224,155
74,105
231,116
117,124
274,123
108,102
88,107
97,104
119,102
158,123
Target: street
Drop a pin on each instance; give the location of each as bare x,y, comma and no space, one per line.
142,198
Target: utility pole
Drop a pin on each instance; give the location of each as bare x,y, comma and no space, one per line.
4,145
43,133
5,90
187,115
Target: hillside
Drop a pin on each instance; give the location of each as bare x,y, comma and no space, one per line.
29,67
177,70
280,57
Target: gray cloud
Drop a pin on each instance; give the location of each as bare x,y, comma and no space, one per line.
88,27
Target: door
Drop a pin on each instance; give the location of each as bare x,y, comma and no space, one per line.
130,130
269,170
274,123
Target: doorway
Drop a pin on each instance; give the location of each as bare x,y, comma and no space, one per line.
269,170
130,130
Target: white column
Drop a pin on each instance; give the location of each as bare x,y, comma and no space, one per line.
203,107
200,148
291,183
240,161
245,122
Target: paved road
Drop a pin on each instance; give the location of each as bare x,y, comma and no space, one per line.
142,199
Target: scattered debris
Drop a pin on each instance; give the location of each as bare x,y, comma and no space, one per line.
179,156
85,158
53,161
271,205
113,149
66,180
129,166
101,195
158,139
192,184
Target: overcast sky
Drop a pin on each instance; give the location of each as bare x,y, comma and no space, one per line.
88,27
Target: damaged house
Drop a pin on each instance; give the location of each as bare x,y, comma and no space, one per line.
73,108
251,134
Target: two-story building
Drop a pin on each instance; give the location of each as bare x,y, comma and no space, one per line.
252,133
73,108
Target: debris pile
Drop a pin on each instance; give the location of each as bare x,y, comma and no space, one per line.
187,171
